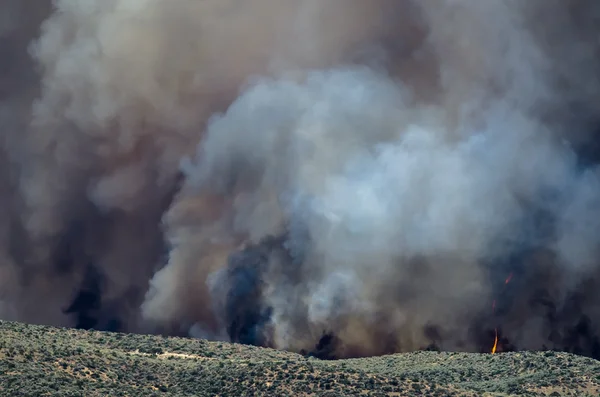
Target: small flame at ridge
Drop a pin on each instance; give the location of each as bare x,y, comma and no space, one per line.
495,347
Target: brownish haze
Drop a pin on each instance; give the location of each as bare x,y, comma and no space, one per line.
346,177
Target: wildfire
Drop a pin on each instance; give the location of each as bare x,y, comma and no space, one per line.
495,346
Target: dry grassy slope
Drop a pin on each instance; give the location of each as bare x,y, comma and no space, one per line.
44,361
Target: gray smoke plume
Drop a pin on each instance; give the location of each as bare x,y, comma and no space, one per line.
348,177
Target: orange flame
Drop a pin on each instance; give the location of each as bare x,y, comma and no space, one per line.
495,347
495,342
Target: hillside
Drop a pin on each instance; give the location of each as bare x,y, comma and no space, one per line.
45,361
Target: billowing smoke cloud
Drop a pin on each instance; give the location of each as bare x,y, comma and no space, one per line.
343,177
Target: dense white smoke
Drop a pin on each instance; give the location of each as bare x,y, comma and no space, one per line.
270,171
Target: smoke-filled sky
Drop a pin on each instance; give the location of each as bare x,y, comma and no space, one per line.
289,173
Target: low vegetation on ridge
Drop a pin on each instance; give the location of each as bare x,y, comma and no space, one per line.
45,361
